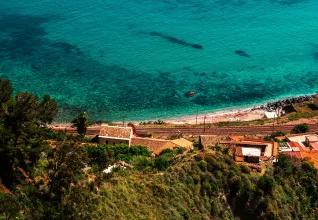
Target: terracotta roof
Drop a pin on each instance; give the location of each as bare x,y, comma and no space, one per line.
208,140
154,145
292,154
114,131
183,143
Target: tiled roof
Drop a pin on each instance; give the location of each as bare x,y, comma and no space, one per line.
183,143
114,131
292,154
154,145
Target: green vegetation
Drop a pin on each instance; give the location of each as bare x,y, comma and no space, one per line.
300,128
273,136
80,122
64,180
243,123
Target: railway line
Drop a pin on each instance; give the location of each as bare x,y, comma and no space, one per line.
214,130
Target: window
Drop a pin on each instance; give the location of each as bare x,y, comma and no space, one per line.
106,141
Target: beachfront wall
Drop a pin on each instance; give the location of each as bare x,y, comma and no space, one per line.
112,141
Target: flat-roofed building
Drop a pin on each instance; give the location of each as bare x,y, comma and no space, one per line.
311,138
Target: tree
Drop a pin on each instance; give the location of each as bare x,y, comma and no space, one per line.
67,164
300,128
81,123
23,120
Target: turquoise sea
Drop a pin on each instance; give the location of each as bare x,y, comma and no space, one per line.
136,59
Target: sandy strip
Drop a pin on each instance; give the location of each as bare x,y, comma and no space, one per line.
214,117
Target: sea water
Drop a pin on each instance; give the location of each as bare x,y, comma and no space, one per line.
136,59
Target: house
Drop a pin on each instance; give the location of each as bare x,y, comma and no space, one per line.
113,135
268,148
154,145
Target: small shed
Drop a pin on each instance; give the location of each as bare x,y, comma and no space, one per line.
270,115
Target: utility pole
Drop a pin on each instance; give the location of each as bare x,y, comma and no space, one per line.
274,123
196,118
123,121
204,124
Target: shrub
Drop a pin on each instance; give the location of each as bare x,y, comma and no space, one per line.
203,165
300,128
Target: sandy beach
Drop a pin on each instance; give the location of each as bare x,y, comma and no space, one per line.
214,117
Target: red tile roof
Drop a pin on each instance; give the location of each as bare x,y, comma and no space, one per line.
292,154
114,131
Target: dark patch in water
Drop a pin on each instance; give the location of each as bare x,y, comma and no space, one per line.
68,48
187,68
200,100
315,55
287,2
78,70
176,40
242,53
35,67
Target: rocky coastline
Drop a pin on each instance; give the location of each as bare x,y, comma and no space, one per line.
273,106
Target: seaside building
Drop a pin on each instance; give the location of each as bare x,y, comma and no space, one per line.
248,150
114,135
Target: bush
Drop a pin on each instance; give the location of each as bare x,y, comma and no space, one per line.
300,128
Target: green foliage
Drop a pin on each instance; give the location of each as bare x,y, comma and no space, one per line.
80,122
107,154
273,136
300,128
23,120
66,167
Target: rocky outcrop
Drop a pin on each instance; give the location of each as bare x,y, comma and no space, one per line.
272,106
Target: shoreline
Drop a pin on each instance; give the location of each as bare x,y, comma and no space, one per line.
236,114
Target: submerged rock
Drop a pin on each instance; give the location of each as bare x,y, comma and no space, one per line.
242,53
190,94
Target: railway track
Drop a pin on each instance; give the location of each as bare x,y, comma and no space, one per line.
228,130
231,130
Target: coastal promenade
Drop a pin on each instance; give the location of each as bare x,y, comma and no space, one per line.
214,130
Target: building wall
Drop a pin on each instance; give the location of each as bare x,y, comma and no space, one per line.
112,141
